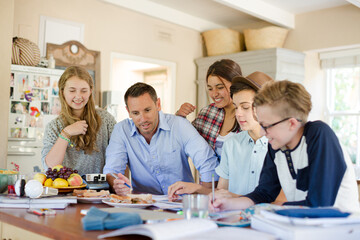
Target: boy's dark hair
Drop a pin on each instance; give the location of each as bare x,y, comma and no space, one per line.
254,82
139,89
238,85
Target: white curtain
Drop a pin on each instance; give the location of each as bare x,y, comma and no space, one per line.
340,58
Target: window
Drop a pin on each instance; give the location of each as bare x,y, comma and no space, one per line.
343,107
342,69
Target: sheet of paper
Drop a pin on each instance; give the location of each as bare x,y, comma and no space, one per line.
163,202
160,197
169,205
145,214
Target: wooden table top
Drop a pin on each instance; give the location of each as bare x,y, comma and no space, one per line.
66,224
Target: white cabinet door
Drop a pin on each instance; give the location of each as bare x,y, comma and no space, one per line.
16,233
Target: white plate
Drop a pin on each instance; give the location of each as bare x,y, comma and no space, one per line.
128,205
91,199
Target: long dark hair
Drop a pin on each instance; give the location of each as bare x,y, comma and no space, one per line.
225,69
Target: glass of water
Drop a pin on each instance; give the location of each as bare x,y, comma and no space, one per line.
195,206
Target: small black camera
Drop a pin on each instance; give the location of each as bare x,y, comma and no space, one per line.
95,178
96,181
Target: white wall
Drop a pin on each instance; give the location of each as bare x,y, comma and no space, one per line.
109,28
315,83
6,33
328,28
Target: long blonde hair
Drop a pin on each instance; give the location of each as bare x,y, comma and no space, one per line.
85,142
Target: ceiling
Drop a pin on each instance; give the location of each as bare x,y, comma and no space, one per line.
203,15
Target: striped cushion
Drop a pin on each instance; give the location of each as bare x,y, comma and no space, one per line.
25,52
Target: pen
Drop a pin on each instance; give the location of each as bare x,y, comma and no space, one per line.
116,177
213,187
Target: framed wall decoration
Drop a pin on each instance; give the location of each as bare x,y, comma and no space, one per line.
74,53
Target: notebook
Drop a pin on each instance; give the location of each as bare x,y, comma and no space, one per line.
189,229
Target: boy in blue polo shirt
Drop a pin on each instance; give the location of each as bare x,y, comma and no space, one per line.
304,158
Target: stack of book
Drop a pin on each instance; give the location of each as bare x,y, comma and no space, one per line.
307,227
54,202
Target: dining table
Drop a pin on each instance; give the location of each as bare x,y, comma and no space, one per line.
18,223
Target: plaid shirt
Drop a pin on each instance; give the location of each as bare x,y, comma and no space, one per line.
208,123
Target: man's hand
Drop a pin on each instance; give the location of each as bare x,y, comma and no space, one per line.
119,187
185,110
179,188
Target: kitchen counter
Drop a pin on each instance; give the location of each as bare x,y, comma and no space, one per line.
66,224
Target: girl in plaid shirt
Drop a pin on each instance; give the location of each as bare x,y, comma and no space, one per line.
216,122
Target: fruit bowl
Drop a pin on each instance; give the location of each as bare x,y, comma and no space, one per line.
4,179
63,178
69,188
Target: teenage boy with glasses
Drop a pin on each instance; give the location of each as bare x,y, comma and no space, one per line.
304,158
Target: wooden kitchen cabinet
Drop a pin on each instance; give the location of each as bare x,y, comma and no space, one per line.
10,232
18,224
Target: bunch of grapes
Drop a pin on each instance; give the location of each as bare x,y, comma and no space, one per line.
62,173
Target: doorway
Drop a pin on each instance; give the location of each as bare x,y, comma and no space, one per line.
128,69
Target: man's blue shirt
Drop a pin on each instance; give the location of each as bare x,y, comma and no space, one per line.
155,166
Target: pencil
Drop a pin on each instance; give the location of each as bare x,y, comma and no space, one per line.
116,177
213,187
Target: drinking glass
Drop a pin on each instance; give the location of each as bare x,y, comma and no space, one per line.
195,206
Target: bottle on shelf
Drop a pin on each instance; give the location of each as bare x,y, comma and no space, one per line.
51,61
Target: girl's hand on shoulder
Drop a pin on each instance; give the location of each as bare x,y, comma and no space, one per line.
185,109
77,128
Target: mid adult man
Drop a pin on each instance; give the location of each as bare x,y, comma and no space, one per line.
155,146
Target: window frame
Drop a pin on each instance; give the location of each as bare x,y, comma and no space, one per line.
331,113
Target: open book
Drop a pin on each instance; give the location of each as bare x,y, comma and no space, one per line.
186,229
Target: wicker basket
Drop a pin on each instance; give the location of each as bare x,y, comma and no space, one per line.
268,37
222,41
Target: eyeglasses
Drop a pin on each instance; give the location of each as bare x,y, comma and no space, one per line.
274,124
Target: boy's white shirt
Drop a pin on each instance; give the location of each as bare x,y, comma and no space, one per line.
288,184
347,198
348,189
